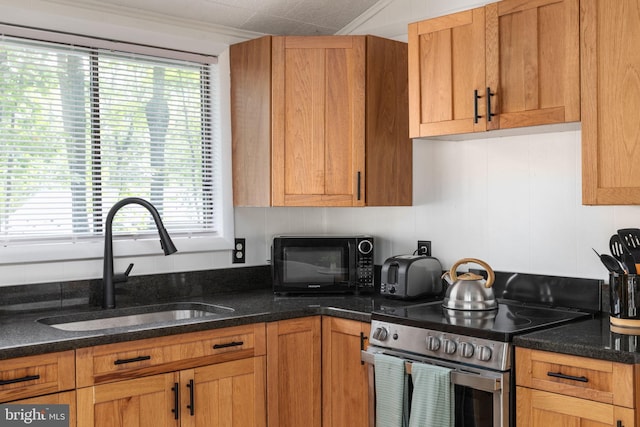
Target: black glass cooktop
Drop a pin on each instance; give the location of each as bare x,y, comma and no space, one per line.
502,324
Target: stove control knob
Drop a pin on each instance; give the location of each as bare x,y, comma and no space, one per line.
450,346
380,334
433,343
483,353
466,349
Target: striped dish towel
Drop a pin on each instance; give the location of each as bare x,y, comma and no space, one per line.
432,403
391,392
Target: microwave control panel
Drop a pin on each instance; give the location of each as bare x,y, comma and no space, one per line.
364,262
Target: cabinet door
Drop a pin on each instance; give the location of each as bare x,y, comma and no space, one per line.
142,402
294,372
540,408
446,70
230,394
318,121
250,71
610,102
344,379
65,398
533,62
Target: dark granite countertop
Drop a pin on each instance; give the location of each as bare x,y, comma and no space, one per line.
589,338
22,335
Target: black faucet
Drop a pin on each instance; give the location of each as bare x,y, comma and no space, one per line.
108,280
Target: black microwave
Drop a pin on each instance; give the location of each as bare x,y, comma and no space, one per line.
322,264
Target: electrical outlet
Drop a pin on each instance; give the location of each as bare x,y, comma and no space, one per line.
424,247
239,251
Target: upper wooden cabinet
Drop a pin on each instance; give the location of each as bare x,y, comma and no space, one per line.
320,121
510,64
610,58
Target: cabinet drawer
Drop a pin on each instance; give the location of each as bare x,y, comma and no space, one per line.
591,379
114,362
36,375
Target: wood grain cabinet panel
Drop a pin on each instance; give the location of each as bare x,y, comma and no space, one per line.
61,398
201,379
320,121
345,398
31,376
561,390
115,362
610,36
510,64
294,372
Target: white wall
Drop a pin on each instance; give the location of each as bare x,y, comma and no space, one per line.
513,201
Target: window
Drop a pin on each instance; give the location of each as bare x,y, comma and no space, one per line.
82,128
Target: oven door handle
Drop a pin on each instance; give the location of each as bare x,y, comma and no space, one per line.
475,381
458,376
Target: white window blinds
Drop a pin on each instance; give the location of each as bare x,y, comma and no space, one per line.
81,129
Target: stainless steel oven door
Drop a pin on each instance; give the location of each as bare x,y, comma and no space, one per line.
481,396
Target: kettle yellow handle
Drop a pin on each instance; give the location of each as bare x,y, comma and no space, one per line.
491,276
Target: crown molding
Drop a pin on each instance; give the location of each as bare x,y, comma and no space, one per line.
365,17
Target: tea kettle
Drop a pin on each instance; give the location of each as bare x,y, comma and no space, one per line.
469,291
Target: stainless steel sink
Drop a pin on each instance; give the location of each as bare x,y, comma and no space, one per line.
137,316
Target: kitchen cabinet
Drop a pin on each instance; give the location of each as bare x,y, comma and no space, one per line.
561,390
199,379
61,398
294,372
610,35
509,64
46,379
345,398
314,374
320,121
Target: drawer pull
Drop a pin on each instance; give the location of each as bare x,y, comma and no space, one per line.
132,360
191,406
476,116
20,380
568,377
228,344
176,401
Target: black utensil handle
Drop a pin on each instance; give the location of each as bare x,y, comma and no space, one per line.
489,113
476,116
228,344
568,377
132,360
20,380
191,405
176,401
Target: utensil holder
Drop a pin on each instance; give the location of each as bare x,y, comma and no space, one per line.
624,297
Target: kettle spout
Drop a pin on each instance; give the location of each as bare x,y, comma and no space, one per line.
447,278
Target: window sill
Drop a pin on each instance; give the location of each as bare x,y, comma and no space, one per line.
54,252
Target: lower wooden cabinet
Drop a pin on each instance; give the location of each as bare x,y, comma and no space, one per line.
294,372
31,376
314,374
558,390
44,379
225,394
345,398
540,408
63,398
201,379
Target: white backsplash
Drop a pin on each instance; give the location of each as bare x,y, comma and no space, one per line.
513,201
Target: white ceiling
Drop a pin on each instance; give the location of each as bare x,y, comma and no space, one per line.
278,17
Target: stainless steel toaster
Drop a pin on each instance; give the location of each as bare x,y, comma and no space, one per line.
410,277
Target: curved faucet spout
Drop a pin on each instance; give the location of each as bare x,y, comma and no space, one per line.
109,300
